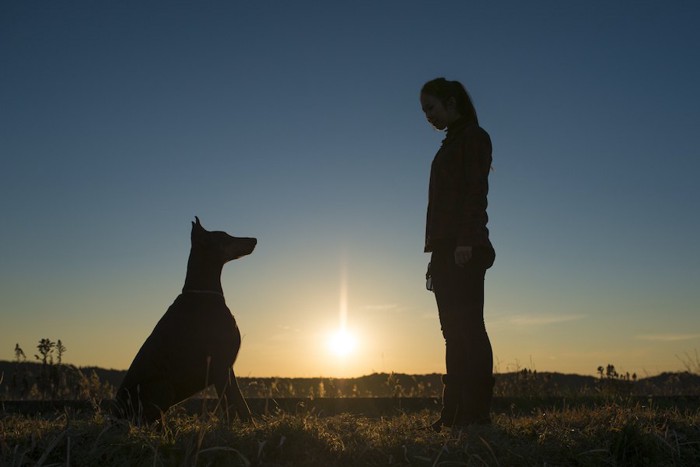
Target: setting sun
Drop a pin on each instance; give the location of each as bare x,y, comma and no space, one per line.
342,343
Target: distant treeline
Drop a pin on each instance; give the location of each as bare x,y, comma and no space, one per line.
27,381
48,378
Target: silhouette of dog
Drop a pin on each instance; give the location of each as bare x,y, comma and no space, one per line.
195,343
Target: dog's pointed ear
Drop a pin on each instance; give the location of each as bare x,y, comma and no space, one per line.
197,227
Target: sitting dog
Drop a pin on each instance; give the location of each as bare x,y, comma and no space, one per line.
195,343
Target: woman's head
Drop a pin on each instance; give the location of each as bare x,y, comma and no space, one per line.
445,101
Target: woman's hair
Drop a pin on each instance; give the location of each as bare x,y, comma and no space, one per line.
444,90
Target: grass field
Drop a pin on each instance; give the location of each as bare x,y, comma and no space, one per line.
606,434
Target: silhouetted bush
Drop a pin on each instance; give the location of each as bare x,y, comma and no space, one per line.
51,379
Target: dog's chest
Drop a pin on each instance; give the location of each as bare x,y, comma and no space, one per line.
194,316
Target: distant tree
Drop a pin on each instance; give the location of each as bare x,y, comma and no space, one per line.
45,347
58,377
46,379
60,350
610,371
19,384
613,383
19,354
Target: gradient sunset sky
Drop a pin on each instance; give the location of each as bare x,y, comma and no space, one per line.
299,123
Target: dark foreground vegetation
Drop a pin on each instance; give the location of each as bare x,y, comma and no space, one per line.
614,433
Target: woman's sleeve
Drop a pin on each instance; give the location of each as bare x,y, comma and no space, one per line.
477,164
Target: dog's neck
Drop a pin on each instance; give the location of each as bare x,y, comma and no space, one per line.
209,292
203,275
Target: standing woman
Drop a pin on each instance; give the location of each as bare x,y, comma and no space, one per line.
461,252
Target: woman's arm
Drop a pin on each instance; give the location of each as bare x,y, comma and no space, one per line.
473,218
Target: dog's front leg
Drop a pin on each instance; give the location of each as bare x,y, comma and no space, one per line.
232,398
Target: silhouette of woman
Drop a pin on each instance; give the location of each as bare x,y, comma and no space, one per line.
461,252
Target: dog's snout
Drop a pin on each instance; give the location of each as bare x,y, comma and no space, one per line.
253,243
241,246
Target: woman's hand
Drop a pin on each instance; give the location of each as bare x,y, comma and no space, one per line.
462,255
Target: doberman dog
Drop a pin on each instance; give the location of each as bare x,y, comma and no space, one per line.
195,343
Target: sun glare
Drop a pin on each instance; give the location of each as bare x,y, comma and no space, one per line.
342,343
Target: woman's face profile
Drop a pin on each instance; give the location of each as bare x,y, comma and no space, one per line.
435,112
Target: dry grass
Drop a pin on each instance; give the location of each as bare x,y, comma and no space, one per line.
604,435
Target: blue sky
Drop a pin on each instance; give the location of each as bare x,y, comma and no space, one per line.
299,123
